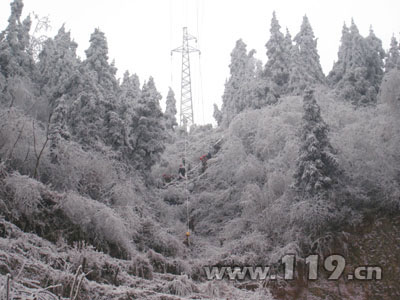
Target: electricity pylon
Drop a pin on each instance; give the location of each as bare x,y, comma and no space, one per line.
186,113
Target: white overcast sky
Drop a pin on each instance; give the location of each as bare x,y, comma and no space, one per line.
141,33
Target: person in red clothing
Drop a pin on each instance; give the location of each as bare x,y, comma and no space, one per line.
167,178
203,160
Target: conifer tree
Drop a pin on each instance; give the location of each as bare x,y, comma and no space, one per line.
57,128
317,166
393,56
358,72
58,68
102,75
15,58
87,113
297,81
305,59
170,110
148,129
58,79
129,94
344,54
93,115
259,87
128,98
16,62
239,90
277,68
217,114
97,64
288,40
375,59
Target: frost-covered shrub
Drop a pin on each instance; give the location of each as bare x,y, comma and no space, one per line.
252,198
314,216
244,127
157,261
250,171
181,286
158,239
368,153
20,93
97,176
21,141
276,139
390,90
24,195
126,193
99,222
141,267
226,165
91,174
276,185
162,264
173,195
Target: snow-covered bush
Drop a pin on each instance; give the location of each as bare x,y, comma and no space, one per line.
390,90
21,141
367,140
153,236
24,193
102,224
127,192
174,195
181,286
250,171
141,267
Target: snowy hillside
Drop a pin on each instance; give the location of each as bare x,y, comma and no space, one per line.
104,196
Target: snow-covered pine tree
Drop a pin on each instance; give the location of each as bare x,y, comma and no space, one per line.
148,132
277,68
306,68
217,114
15,58
393,56
375,64
86,113
97,64
358,72
57,128
317,167
230,101
259,88
239,89
298,79
128,98
16,62
58,68
344,54
93,115
170,111
129,94
103,75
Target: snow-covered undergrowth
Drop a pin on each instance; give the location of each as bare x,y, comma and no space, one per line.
245,203
36,264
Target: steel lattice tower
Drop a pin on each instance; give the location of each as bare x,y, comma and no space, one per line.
186,113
